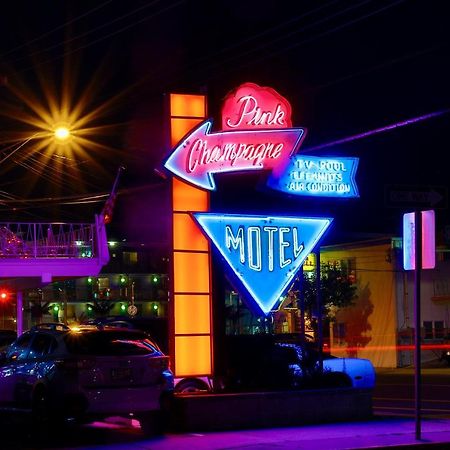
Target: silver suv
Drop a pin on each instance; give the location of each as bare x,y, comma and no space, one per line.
85,374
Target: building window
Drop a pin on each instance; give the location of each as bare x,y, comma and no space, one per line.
339,333
347,267
439,329
441,287
428,329
103,283
351,270
130,258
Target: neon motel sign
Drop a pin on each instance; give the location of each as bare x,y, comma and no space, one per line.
263,253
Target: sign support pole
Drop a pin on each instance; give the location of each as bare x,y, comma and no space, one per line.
301,300
417,319
319,336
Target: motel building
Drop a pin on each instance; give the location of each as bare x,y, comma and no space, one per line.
224,262
225,273
380,324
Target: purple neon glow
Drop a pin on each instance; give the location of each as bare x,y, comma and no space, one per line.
428,240
403,123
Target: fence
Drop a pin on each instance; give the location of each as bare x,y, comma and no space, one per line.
47,240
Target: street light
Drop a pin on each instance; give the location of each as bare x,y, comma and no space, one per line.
62,133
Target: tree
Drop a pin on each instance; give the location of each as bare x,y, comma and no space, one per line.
101,307
337,290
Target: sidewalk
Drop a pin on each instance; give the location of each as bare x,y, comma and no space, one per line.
390,433
379,433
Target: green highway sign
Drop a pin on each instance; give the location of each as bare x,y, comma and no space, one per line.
407,196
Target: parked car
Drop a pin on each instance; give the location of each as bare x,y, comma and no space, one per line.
6,338
261,363
304,365
445,355
156,327
85,374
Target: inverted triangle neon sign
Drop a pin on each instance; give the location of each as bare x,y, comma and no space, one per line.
263,252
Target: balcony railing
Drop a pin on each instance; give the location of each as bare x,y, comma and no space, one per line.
47,240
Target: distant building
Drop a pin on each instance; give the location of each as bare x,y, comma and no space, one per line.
380,325
134,284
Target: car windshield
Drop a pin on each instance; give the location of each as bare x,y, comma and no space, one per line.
108,343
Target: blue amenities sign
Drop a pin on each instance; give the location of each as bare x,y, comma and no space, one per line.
264,252
317,176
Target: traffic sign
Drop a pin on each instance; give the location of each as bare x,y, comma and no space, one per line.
428,252
406,196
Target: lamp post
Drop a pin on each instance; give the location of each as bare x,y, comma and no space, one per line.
61,133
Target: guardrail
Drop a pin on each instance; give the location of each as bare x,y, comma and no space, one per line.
47,240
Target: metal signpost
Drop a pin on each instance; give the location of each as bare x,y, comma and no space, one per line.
418,254
417,352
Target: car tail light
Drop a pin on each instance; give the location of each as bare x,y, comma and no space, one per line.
75,363
160,362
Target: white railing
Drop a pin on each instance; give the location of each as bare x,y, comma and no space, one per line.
47,240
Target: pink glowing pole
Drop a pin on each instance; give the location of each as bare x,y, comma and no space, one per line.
19,313
392,126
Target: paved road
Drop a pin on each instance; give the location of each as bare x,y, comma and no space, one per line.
382,432
394,392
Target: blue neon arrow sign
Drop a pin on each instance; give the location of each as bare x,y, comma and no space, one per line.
264,252
316,176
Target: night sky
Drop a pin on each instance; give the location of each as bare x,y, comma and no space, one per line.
347,67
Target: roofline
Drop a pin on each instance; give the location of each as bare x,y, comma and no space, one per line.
363,243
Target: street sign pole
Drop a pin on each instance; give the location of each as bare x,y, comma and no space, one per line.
319,336
417,352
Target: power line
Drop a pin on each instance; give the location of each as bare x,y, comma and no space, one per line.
48,33
285,49
382,65
102,38
87,33
69,198
268,31
302,29
389,127
225,63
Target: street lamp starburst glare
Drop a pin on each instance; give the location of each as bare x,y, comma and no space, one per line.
62,133
61,136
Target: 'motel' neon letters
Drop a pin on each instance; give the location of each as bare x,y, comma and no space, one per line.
263,252
255,241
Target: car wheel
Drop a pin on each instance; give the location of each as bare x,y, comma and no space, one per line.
40,413
190,386
151,423
336,380
40,407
